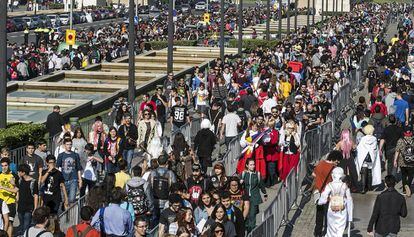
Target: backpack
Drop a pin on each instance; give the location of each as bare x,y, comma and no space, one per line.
38,235
161,186
77,233
337,201
138,199
408,152
378,128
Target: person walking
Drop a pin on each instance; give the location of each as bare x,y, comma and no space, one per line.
84,228
368,161
338,196
322,176
389,206
129,134
404,158
392,133
204,144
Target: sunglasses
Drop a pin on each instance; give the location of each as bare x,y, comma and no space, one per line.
219,231
146,114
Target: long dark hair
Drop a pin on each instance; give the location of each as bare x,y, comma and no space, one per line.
179,145
201,204
96,197
213,213
214,226
78,130
108,186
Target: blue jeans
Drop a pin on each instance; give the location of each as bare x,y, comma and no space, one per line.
71,188
128,155
25,219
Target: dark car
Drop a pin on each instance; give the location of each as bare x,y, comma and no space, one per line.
44,21
10,25
143,9
184,8
76,18
96,15
20,24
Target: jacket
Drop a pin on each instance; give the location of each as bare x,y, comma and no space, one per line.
388,208
132,132
204,142
271,146
142,130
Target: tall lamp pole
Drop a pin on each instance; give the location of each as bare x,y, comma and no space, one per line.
280,19
131,53
296,15
170,36
307,15
71,14
288,16
222,30
322,5
313,12
268,20
240,42
3,65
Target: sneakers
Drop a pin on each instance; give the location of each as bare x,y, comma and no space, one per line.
407,190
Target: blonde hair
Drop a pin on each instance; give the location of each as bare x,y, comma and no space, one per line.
368,129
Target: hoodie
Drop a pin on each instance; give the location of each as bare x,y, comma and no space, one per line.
138,181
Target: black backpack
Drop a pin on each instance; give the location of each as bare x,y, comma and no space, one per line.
408,152
161,186
138,199
378,128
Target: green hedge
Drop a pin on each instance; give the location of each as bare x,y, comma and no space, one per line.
157,45
17,135
56,6
250,44
338,13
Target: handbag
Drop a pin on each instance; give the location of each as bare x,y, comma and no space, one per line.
316,193
368,158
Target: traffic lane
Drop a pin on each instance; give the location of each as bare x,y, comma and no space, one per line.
18,37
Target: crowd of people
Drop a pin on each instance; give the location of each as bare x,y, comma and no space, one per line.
379,139
132,181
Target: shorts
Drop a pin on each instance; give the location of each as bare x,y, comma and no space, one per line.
12,211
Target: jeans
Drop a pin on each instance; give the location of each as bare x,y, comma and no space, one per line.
71,188
271,174
25,219
387,235
407,174
389,156
86,183
128,155
320,222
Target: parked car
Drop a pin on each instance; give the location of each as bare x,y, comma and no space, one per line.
143,9
20,24
154,12
201,6
10,25
31,22
44,21
64,19
184,8
76,18
96,15
55,20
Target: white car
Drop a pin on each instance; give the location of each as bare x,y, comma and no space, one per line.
55,20
201,6
64,18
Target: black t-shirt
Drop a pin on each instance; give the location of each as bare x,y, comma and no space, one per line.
27,189
35,163
238,198
52,191
167,217
160,106
179,113
312,117
391,135
325,107
77,62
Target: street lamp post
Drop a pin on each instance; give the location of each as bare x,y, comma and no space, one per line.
222,30
240,42
131,53
296,15
322,5
342,6
170,36
3,65
288,16
313,12
71,14
280,19
307,15
268,20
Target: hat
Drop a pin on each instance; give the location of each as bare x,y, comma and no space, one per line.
196,167
408,131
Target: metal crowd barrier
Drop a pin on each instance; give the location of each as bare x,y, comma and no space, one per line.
189,130
232,155
71,216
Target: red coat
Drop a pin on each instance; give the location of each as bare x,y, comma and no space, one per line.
272,149
383,108
258,155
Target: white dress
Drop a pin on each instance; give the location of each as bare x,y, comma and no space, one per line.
337,221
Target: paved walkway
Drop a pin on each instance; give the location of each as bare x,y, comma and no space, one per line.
302,220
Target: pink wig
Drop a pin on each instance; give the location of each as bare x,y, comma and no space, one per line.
346,143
